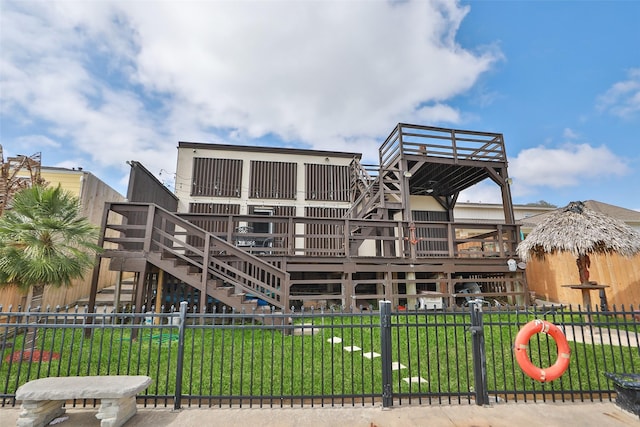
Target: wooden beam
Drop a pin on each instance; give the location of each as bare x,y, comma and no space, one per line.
159,292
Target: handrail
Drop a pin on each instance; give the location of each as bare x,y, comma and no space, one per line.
368,192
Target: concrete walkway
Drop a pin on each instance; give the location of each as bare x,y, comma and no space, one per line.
498,415
589,335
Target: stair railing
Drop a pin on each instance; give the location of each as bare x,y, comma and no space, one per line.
171,236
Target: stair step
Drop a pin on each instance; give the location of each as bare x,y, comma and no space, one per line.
250,305
106,299
192,269
111,290
166,255
221,292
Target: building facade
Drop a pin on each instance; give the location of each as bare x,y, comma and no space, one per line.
307,228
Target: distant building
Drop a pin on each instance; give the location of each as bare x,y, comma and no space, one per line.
92,194
487,212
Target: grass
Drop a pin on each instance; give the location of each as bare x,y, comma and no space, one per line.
242,361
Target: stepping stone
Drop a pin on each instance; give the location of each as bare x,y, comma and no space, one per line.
396,366
414,380
335,340
371,355
305,329
352,348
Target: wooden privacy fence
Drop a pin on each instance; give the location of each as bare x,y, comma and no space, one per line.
548,278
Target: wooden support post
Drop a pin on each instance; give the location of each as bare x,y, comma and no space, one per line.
349,301
159,292
116,296
410,286
140,282
388,287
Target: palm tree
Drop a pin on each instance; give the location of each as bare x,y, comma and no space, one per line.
44,240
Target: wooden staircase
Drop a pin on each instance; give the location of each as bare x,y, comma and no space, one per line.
137,233
215,288
376,197
365,190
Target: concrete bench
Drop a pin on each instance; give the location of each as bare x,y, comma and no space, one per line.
42,399
627,387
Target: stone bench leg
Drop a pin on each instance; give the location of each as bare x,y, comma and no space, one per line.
116,412
39,413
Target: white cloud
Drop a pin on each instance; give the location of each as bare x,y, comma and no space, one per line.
569,133
565,166
127,80
439,113
623,98
32,143
305,71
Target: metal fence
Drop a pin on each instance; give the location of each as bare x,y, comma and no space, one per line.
321,358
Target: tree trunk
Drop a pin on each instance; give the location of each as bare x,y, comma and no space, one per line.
35,297
34,302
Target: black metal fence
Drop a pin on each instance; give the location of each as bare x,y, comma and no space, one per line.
319,358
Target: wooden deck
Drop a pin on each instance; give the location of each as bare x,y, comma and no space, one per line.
314,262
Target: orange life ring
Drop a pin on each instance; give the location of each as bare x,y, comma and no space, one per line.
522,343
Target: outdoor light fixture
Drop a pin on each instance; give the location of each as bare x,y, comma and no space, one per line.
407,174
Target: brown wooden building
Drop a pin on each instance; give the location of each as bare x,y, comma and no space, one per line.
292,228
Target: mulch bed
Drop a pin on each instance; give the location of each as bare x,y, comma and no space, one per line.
33,356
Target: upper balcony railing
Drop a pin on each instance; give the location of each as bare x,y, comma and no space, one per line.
443,143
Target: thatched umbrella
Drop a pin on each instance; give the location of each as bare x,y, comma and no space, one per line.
580,231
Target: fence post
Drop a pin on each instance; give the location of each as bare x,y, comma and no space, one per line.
179,363
385,349
479,353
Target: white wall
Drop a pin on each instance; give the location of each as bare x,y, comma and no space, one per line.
184,177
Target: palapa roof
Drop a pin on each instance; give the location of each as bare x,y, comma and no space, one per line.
629,216
580,231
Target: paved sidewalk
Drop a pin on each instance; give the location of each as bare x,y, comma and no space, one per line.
498,415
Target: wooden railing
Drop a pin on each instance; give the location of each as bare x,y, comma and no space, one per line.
443,143
365,183
227,248
323,237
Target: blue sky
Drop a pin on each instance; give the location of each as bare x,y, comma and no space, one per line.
96,83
